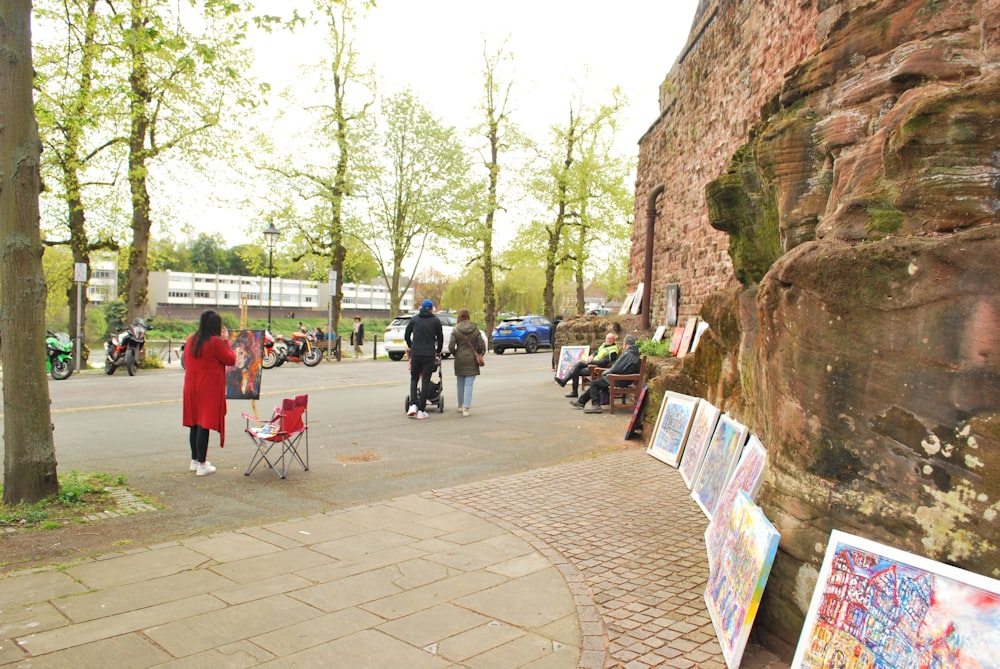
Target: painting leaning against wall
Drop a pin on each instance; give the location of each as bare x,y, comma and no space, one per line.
884,607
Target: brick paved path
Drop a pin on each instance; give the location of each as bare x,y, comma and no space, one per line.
626,526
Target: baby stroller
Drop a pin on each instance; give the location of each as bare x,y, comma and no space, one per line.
435,389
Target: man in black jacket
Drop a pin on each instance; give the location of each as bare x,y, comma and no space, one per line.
424,342
629,362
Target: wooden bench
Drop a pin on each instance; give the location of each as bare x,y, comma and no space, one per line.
628,391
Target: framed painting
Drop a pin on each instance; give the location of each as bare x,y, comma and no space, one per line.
884,607
699,330
697,440
689,328
675,339
671,427
673,304
569,356
243,378
627,304
718,463
639,403
637,299
737,583
747,477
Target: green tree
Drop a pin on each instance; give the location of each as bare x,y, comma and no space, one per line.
602,191
417,189
29,451
75,109
561,186
180,84
323,172
495,129
208,254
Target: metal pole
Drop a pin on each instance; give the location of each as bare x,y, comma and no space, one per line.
270,274
329,330
79,322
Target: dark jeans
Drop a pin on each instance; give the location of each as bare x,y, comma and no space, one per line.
421,367
595,392
577,371
199,443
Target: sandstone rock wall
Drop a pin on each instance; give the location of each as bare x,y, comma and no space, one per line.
732,69
861,213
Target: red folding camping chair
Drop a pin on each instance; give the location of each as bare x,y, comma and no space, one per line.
285,432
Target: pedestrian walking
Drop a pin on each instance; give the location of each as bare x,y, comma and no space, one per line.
207,353
424,338
358,336
467,348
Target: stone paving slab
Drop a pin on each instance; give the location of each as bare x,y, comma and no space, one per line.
593,565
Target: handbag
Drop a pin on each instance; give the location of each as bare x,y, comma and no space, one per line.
480,360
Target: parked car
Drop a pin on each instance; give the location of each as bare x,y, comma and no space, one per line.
601,311
527,332
395,344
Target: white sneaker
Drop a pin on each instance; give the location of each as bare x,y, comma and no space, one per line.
194,465
422,415
465,411
412,411
205,469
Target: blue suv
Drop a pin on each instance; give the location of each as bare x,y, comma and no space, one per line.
527,332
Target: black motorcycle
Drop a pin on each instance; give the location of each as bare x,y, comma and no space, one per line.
123,349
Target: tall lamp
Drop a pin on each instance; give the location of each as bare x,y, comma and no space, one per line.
271,235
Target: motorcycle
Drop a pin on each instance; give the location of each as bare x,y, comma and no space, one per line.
59,355
124,348
273,355
301,349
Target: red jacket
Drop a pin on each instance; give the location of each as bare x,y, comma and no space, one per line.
205,385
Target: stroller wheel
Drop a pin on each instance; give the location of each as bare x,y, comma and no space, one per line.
441,406
406,404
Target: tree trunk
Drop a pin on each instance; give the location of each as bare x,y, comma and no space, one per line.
81,254
137,288
29,452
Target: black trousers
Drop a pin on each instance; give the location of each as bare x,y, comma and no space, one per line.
421,367
199,443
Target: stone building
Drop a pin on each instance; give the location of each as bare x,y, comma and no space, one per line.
831,190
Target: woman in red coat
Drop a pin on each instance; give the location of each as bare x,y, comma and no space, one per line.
206,355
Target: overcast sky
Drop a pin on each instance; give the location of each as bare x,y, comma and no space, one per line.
435,47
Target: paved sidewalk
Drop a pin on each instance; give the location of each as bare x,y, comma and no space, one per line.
595,564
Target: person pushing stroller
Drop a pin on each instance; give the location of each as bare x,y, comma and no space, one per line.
424,342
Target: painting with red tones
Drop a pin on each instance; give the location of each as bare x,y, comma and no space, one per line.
243,378
878,606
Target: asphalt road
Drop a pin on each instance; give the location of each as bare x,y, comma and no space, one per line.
362,447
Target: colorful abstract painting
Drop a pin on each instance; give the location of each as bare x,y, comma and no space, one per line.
243,378
878,606
569,356
747,477
701,431
737,583
718,463
671,428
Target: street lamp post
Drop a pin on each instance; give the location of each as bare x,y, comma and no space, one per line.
271,237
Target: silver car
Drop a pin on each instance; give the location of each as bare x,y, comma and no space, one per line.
395,345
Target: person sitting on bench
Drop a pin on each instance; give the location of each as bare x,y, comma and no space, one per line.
629,362
604,357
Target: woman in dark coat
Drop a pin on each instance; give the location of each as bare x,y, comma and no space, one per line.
466,340
206,354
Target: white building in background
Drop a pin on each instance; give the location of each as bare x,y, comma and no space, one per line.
102,284
187,289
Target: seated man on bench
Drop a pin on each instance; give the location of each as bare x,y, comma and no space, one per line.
604,357
628,362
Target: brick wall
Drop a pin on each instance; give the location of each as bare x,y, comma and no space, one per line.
734,64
